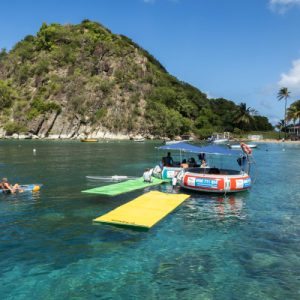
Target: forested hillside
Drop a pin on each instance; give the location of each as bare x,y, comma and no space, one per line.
71,81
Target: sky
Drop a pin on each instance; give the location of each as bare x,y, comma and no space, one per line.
241,50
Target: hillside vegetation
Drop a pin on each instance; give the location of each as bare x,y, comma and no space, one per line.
83,80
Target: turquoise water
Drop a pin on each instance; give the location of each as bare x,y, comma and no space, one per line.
245,246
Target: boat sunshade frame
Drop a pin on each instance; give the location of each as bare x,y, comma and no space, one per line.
210,149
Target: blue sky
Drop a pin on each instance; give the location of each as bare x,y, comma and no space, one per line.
242,50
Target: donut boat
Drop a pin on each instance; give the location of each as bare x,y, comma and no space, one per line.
213,180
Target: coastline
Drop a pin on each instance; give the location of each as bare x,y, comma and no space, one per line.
276,141
127,137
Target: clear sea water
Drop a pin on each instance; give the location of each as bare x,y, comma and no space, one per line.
244,246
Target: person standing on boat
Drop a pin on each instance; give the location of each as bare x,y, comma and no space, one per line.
201,156
242,162
168,160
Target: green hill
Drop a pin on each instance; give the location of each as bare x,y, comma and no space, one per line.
78,80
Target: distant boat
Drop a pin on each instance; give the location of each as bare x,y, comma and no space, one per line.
237,146
220,141
174,142
139,140
219,138
89,140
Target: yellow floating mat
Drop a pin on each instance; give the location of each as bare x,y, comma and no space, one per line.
144,211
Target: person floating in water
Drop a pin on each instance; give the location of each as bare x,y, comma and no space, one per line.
6,187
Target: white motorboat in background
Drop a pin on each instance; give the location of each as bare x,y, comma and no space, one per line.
220,141
171,142
219,138
140,140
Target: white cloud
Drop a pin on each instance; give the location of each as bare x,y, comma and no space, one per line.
291,79
281,6
284,2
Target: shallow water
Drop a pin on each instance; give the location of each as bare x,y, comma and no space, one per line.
244,246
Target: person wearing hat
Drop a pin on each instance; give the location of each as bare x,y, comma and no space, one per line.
8,188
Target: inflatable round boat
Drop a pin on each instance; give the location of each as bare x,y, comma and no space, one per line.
214,180
207,179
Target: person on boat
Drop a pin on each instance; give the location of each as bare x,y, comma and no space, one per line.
174,182
6,187
147,175
192,162
201,156
184,164
242,161
203,164
168,160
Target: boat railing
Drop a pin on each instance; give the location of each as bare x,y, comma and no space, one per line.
215,171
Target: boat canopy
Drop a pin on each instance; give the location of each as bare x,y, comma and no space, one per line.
185,147
210,149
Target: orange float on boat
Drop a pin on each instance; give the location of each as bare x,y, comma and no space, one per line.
246,149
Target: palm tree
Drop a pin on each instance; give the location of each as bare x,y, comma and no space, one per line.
280,126
293,112
284,94
243,115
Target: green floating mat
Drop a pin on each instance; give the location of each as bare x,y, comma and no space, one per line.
123,187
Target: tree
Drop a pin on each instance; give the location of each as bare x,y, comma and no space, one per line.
284,94
3,53
261,123
7,94
292,115
280,126
244,115
293,112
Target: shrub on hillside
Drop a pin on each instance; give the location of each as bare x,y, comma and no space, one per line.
12,127
7,94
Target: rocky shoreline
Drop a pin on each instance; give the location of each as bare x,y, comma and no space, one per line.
116,136
107,136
